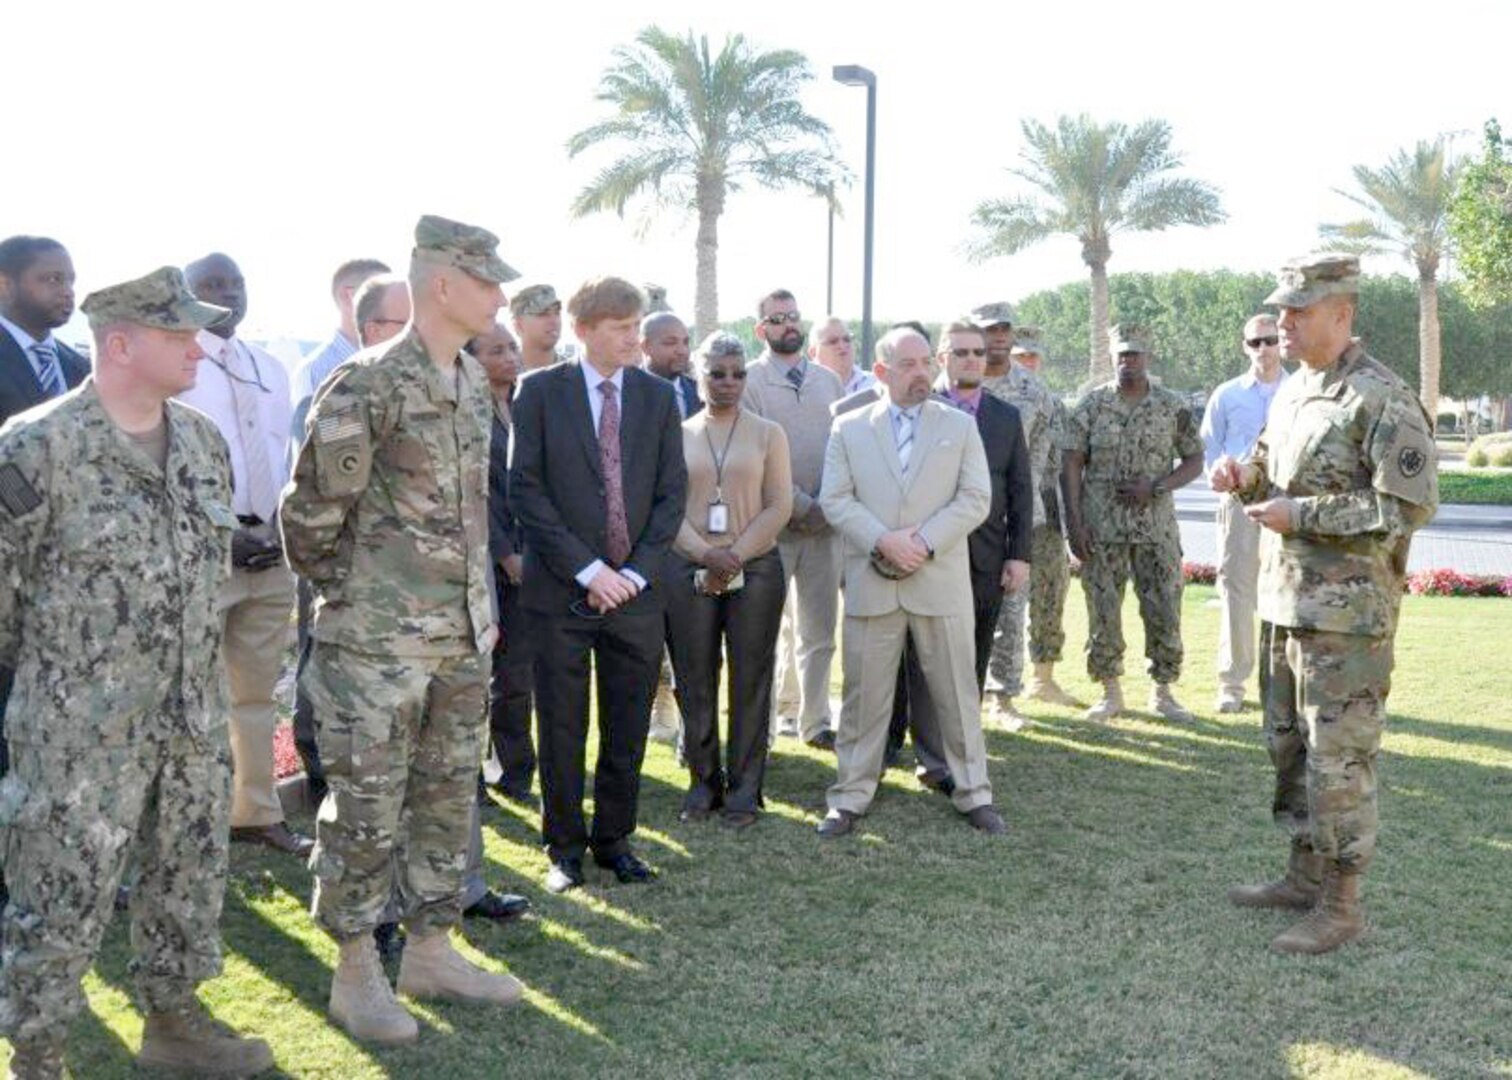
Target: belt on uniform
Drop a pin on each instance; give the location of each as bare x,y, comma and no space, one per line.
251,521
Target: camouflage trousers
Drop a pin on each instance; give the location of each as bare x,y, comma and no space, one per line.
1156,569
1045,600
401,738
70,819
1324,696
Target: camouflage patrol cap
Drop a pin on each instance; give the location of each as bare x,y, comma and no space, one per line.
1026,339
1128,338
467,247
998,314
656,298
1303,282
536,298
161,299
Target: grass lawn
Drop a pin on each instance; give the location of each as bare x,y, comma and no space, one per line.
1093,941
1486,486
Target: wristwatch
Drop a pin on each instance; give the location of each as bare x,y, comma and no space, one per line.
1158,488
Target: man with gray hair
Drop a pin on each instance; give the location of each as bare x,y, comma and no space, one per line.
834,347
345,283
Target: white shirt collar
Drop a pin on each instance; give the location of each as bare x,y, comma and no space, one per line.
593,378
1249,382
23,339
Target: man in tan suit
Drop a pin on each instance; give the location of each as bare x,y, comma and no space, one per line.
905,482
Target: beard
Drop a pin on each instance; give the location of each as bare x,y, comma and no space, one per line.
788,343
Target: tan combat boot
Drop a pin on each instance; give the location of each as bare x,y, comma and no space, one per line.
666,721
362,1002
1043,687
36,1060
1297,890
1002,715
1111,705
192,1042
1163,703
1337,919
433,969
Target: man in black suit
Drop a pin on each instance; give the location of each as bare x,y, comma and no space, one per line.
598,482
999,547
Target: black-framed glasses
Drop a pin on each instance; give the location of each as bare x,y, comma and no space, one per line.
738,374
1257,342
777,318
961,354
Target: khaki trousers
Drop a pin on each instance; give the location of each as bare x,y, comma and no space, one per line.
812,565
1238,576
946,650
256,608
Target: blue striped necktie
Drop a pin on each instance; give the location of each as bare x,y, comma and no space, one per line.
49,373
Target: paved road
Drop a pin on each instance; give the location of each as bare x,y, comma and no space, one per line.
1470,539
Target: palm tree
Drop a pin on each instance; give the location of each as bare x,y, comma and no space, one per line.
1407,200
697,125
1095,179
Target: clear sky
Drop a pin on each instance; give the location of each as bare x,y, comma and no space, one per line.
295,135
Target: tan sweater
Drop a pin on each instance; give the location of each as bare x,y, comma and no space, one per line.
757,487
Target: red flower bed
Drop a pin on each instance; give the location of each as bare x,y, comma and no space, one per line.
285,758
1454,583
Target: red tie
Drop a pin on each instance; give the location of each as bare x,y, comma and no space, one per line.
609,465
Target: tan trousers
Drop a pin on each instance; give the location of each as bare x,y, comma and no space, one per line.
256,608
1238,575
812,566
873,647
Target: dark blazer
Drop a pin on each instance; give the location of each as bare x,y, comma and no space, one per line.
687,389
19,388
557,491
1006,532
504,537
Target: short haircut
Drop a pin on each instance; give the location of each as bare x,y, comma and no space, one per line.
603,298
887,345
653,323
914,325
369,297
355,272
775,294
960,326
717,346
17,253
820,324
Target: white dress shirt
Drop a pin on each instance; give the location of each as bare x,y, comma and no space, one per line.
256,371
26,341
592,380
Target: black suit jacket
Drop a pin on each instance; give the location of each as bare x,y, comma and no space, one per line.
19,388
1006,532
687,389
557,491
504,537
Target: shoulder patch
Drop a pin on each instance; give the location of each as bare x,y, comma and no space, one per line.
16,492
1411,461
342,424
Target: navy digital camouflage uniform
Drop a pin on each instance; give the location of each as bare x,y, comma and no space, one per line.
1128,440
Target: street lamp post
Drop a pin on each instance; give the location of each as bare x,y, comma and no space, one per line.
855,75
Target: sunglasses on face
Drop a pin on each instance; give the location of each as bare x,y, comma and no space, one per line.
738,374
1257,342
961,354
780,317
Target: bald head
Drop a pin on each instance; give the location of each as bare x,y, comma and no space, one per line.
664,343
905,365
216,279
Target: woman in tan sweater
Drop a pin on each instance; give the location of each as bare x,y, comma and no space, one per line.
727,587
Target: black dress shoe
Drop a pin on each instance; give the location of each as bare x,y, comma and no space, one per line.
515,793
564,874
628,868
943,783
277,836
986,819
825,740
736,820
837,823
505,907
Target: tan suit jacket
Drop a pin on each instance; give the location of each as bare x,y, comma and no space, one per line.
946,495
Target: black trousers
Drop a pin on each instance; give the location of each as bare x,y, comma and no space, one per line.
744,625
913,709
510,689
304,712
624,650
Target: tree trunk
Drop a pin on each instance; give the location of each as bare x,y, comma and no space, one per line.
706,301
1101,368
1429,355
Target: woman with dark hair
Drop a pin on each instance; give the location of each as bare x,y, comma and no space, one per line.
728,586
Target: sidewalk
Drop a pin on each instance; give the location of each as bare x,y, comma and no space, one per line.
1470,539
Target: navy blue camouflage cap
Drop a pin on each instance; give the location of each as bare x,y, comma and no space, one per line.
161,299
467,247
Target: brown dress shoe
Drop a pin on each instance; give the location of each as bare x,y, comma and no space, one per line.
277,836
837,823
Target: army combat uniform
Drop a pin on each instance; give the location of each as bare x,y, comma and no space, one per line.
112,561
1123,440
386,517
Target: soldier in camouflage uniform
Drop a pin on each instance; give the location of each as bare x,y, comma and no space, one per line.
386,517
1043,417
1116,481
1341,476
115,539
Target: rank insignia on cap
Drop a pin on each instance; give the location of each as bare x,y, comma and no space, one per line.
16,493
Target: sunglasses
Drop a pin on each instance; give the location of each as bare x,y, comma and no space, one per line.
1256,342
717,373
961,354
780,317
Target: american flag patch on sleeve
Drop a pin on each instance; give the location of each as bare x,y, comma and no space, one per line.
346,424
16,493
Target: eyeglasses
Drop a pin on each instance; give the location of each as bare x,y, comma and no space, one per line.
388,322
1256,342
777,318
843,338
738,374
961,354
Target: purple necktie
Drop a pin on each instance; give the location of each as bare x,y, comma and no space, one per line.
609,465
